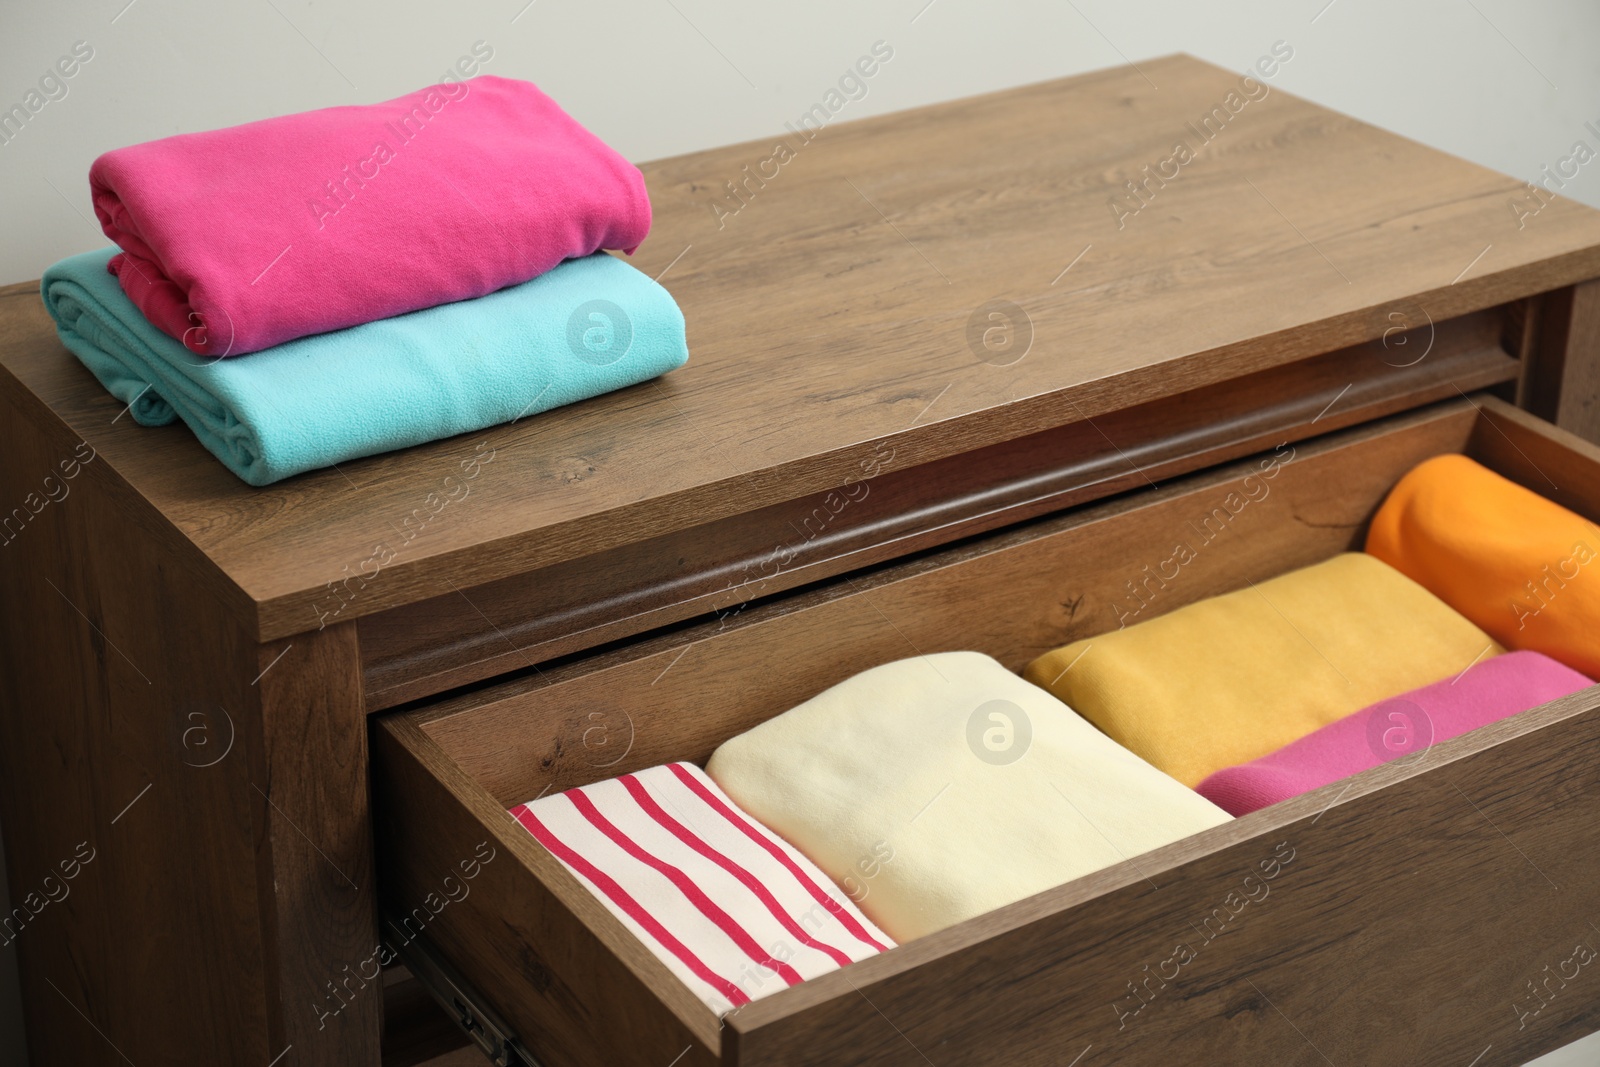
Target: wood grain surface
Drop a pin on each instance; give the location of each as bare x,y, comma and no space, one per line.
459,871
308,769
831,315
888,510
1013,595
220,789
416,1030
1562,383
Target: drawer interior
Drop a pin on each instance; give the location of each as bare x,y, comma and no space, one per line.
1034,982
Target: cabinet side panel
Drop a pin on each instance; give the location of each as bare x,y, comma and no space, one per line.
174,802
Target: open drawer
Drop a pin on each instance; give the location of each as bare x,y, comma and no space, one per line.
1426,911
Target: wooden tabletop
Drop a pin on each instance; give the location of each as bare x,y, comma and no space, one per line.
833,311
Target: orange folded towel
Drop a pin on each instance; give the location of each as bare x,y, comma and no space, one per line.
1524,569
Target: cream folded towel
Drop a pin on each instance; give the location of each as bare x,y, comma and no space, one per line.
938,788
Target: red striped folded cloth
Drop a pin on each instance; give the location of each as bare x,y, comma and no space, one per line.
729,907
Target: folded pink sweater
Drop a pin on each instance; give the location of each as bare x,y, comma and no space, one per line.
1491,690
238,239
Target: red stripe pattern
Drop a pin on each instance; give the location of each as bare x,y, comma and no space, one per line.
733,910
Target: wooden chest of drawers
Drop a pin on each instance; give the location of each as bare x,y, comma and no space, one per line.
928,356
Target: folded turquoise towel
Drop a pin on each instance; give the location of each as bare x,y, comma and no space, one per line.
587,327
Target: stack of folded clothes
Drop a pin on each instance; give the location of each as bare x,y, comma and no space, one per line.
1283,687
312,288
921,793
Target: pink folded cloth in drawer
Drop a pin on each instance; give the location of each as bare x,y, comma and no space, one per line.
238,239
730,908
1490,690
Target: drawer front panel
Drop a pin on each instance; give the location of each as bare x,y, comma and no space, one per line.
1406,911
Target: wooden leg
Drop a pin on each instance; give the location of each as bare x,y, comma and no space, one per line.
185,813
1561,372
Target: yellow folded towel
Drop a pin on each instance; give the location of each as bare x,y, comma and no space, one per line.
1227,680
938,788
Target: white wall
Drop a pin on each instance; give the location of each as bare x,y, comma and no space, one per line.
657,77
1495,81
